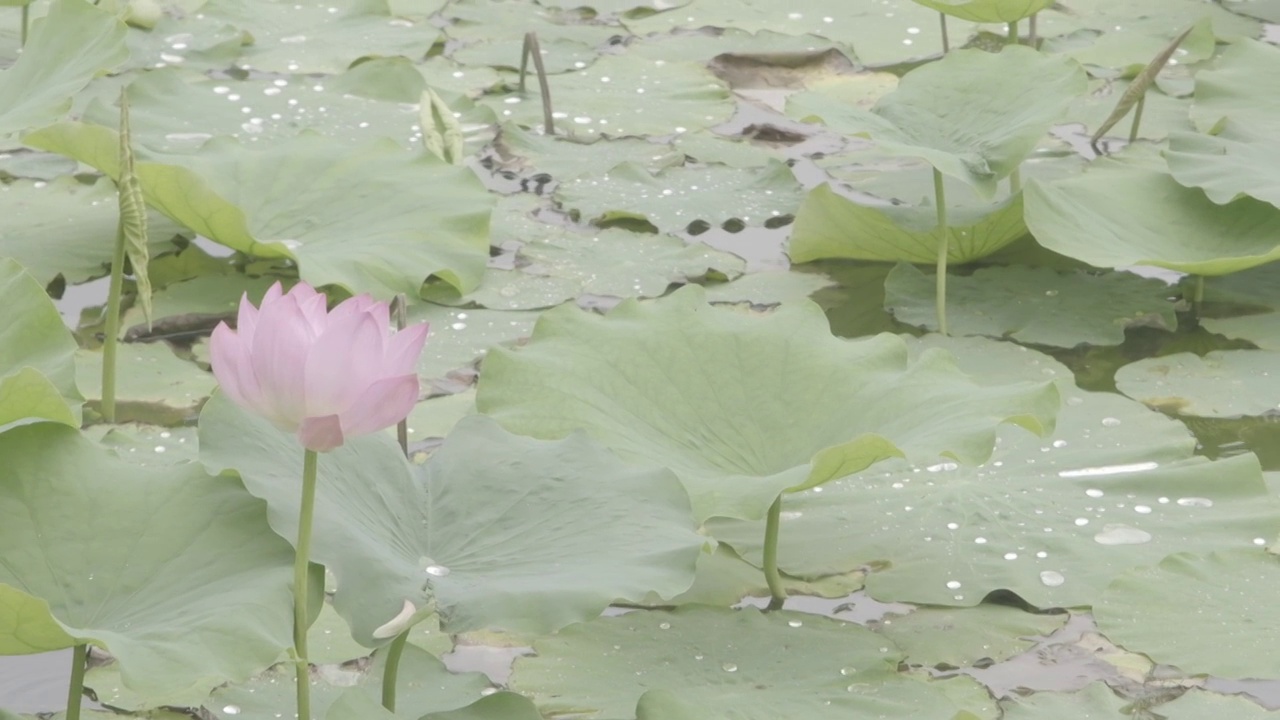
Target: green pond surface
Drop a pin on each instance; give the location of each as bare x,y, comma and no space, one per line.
723,266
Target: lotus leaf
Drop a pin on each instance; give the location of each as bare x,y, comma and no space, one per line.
37,369
788,406
295,199
949,637
831,225
618,96
988,11
1162,113
673,198
1126,210
317,37
973,115
769,288
1235,102
92,542
1223,383
1204,612
469,530
67,48
1035,305
764,45
425,685
459,337
157,386
565,159
882,33
740,664
1053,520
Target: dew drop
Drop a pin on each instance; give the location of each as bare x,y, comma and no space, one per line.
1259,541
437,570
1011,556
1142,509
1081,522
1052,578
953,585
1121,535
1094,493
1110,422
231,709
664,626
794,623
1195,502
847,671
729,667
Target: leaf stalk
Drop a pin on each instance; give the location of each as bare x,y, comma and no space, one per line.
75,688
940,300
392,670
532,48
777,593
300,594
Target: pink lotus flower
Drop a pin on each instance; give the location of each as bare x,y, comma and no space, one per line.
326,376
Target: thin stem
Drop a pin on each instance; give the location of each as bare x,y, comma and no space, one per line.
1015,180
1198,296
392,670
771,576
112,330
946,43
940,197
26,21
1031,29
1137,117
301,556
533,49
75,689
1013,33
402,427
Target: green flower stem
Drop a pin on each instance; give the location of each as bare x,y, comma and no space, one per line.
75,689
1137,117
1031,29
1013,33
392,670
112,331
946,42
940,197
26,20
1198,297
303,552
771,575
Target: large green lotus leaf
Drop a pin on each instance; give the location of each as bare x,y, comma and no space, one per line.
1197,704
988,11
498,706
1052,519
1035,305
147,444
193,307
153,384
672,198
436,417
458,337
1127,210
486,20
308,197
145,562
565,159
1205,612
951,637
1235,102
1108,51
1232,164
188,40
739,664
424,685
469,531
1095,702
1222,384
318,37
883,33
973,115
620,95
1262,330
1144,26
37,365
831,225
171,114
787,407
67,227
66,49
